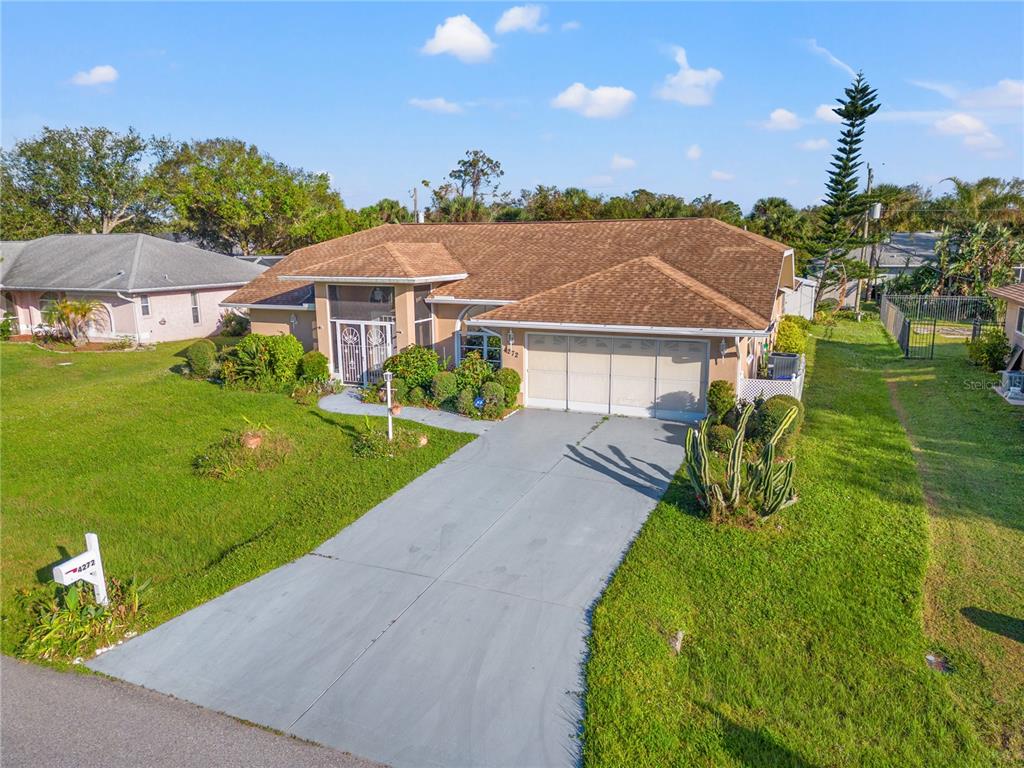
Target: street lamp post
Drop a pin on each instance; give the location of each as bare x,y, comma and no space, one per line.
388,375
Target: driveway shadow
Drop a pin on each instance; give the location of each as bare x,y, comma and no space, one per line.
999,623
623,469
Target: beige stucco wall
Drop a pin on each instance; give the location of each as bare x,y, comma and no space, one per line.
170,317
273,322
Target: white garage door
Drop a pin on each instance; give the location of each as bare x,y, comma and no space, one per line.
603,374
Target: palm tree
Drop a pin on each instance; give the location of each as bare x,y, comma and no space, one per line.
987,199
73,316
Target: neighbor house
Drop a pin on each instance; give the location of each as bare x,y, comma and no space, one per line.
150,289
1012,384
629,317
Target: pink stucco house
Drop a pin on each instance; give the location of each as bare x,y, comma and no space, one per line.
151,289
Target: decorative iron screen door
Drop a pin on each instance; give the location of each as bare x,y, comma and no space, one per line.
362,348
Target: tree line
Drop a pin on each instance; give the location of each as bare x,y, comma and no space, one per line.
229,196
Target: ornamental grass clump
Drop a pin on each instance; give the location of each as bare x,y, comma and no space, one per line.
750,489
255,448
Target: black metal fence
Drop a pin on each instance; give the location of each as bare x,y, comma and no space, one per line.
914,321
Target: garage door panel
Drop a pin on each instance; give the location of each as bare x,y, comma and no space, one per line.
589,365
546,377
634,363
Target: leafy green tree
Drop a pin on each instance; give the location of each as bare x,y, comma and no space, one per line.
386,211
836,237
988,199
642,204
976,257
228,195
712,208
77,180
474,172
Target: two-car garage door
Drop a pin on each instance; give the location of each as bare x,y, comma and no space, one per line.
629,376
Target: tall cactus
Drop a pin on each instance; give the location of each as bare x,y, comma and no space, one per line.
762,485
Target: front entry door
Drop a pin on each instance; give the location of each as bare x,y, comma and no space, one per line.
360,349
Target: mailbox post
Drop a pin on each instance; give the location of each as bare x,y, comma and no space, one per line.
388,375
87,566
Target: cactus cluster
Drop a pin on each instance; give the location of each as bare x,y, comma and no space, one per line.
762,485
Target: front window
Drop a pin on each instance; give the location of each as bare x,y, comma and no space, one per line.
423,317
195,307
47,302
144,303
1020,320
485,342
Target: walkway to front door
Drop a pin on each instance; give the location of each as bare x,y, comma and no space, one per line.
447,626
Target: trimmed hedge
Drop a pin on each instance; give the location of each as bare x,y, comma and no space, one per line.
510,380
417,365
790,337
313,367
770,415
465,403
444,387
721,399
202,358
473,371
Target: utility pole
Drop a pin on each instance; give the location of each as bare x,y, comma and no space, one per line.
415,204
867,235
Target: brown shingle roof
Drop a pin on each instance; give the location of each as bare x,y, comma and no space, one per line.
643,292
1011,292
513,261
390,259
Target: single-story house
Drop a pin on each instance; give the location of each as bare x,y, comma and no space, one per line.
1012,385
901,253
151,289
632,317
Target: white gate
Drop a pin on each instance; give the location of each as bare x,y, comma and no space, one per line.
360,349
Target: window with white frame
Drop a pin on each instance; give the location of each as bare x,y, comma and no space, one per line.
483,341
424,319
46,303
144,304
195,307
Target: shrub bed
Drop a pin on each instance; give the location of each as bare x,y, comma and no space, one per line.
202,358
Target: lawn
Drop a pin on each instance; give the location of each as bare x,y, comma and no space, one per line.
803,641
106,443
969,445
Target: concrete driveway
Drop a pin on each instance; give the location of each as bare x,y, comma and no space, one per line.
447,626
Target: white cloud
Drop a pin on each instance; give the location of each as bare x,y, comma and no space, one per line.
603,101
1006,94
835,61
943,89
960,124
693,87
437,104
460,37
813,145
826,113
694,152
975,133
524,17
781,120
98,75
570,26
620,163
722,176
601,180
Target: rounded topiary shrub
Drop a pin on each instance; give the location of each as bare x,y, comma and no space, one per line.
790,337
417,365
202,357
444,387
510,380
720,438
399,390
416,396
493,393
313,367
465,403
721,398
770,415
472,372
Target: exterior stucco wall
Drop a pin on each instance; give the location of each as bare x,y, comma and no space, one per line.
115,319
170,315
274,322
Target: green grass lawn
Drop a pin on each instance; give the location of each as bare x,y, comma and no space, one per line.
105,444
969,445
803,640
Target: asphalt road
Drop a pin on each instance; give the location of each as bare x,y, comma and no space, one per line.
50,719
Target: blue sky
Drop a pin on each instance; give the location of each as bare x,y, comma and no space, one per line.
383,95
